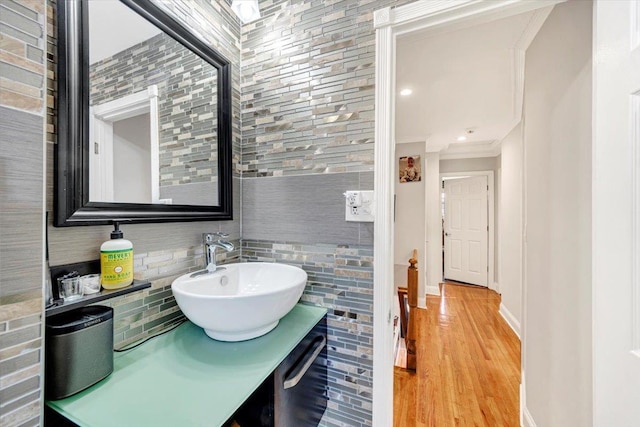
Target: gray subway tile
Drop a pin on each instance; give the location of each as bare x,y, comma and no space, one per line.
33,422
19,336
24,321
21,75
35,54
20,389
17,7
19,21
20,362
31,398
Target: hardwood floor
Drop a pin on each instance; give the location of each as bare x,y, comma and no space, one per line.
468,367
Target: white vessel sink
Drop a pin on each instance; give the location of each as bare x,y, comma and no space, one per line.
239,301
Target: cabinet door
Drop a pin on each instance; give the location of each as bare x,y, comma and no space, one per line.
301,382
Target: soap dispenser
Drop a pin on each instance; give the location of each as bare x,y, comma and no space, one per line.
116,261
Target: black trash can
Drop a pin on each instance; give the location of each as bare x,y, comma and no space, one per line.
79,350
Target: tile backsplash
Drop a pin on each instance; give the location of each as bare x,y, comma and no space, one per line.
141,314
23,48
21,357
340,279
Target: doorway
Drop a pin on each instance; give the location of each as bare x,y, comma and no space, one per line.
121,130
428,17
468,228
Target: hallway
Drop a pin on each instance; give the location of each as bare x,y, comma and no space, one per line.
468,367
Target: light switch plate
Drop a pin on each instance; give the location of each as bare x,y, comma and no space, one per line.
363,212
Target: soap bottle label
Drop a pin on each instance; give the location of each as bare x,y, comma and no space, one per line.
116,267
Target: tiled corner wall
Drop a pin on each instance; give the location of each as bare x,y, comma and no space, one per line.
22,99
162,252
308,73
341,279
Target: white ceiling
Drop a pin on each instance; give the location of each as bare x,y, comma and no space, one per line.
471,78
113,27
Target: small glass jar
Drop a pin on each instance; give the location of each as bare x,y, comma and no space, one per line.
90,283
70,289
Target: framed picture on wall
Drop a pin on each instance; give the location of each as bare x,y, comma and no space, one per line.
410,169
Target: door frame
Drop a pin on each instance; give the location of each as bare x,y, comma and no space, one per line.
491,283
389,23
615,238
101,119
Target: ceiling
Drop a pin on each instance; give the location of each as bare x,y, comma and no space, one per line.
468,79
114,27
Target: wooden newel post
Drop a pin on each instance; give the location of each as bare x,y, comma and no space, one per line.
412,286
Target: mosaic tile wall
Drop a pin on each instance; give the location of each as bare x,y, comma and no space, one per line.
308,72
187,111
22,99
21,357
216,24
22,62
341,279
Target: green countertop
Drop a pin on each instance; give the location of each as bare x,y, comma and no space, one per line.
184,378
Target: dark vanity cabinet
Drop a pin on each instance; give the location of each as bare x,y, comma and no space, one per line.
295,395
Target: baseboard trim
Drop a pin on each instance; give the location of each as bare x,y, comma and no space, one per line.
528,419
510,319
523,399
433,290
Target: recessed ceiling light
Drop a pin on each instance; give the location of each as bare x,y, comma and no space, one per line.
462,138
406,92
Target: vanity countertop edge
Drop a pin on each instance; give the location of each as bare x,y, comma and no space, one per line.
186,378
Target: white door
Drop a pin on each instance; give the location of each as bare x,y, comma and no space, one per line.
466,230
616,214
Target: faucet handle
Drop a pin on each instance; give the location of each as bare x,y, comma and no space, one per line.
210,237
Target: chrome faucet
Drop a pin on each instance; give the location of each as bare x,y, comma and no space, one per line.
211,242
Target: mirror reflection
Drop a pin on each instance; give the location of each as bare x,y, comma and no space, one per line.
153,113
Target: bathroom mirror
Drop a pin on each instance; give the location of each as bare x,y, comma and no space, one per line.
144,118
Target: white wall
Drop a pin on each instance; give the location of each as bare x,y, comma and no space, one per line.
557,271
434,223
132,145
469,165
114,27
410,232
510,239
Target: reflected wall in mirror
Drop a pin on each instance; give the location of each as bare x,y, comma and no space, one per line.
153,102
145,111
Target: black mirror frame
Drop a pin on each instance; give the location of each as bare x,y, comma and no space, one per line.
71,157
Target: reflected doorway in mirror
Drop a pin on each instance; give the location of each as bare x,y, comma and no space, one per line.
125,132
